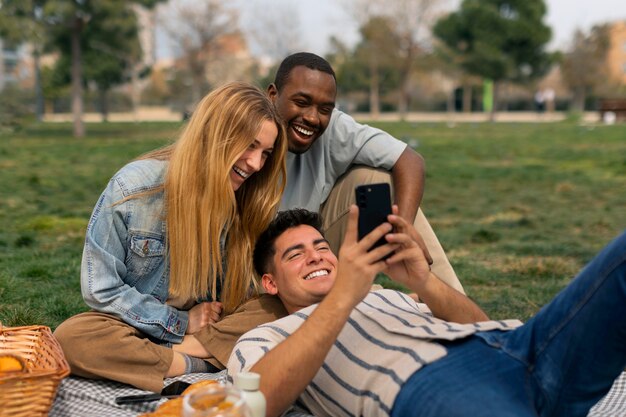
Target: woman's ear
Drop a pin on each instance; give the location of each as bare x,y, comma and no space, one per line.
267,280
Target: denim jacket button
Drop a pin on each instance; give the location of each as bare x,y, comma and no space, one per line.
145,249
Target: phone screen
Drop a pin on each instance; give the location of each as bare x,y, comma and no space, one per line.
374,202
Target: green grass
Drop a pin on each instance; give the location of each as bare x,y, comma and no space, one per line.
49,183
520,208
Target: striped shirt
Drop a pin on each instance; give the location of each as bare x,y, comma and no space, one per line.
386,339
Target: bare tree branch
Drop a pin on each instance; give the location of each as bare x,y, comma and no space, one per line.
275,31
195,27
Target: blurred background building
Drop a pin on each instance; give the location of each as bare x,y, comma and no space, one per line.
616,54
9,64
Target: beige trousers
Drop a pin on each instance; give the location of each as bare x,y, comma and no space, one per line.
100,346
335,214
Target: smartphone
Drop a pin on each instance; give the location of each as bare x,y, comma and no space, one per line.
374,202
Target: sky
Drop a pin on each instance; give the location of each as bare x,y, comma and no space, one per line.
319,19
565,16
315,21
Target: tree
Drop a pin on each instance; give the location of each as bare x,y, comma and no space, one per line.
499,40
584,65
67,19
276,30
62,24
196,29
22,21
55,81
377,51
372,65
339,57
112,48
412,22
73,24
109,43
464,83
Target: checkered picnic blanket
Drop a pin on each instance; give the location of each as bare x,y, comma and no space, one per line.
614,403
79,397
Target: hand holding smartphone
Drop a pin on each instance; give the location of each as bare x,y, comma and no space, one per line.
374,202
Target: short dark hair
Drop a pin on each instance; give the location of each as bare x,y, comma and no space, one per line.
307,59
264,248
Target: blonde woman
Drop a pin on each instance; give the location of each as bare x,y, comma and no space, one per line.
167,265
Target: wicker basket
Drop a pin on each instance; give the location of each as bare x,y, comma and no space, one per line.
32,392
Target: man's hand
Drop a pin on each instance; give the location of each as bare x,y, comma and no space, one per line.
358,267
409,265
202,314
420,242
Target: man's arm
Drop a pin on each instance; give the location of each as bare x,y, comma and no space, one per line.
287,369
447,303
352,143
409,266
408,183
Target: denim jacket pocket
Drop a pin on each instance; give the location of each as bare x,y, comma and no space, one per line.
145,255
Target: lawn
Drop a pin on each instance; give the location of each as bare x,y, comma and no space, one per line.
520,208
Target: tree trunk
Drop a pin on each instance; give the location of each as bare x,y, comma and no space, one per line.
104,105
494,108
467,98
405,94
135,94
578,103
77,79
39,105
198,69
405,87
374,89
450,108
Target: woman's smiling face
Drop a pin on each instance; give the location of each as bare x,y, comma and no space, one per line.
253,159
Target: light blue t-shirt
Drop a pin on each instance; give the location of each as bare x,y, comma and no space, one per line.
312,175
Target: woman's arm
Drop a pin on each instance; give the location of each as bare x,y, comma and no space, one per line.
104,273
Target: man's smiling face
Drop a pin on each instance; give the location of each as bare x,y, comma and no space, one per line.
305,102
304,268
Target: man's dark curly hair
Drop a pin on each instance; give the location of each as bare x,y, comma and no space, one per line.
264,249
305,59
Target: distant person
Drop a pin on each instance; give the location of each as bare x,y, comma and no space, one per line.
330,153
540,101
346,351
166,266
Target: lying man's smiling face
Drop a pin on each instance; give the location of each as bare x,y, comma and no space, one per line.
303,268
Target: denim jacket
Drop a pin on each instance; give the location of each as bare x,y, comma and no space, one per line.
124,269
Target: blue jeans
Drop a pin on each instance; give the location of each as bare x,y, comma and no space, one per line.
560,363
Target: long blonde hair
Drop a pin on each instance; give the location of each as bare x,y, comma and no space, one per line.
200,202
